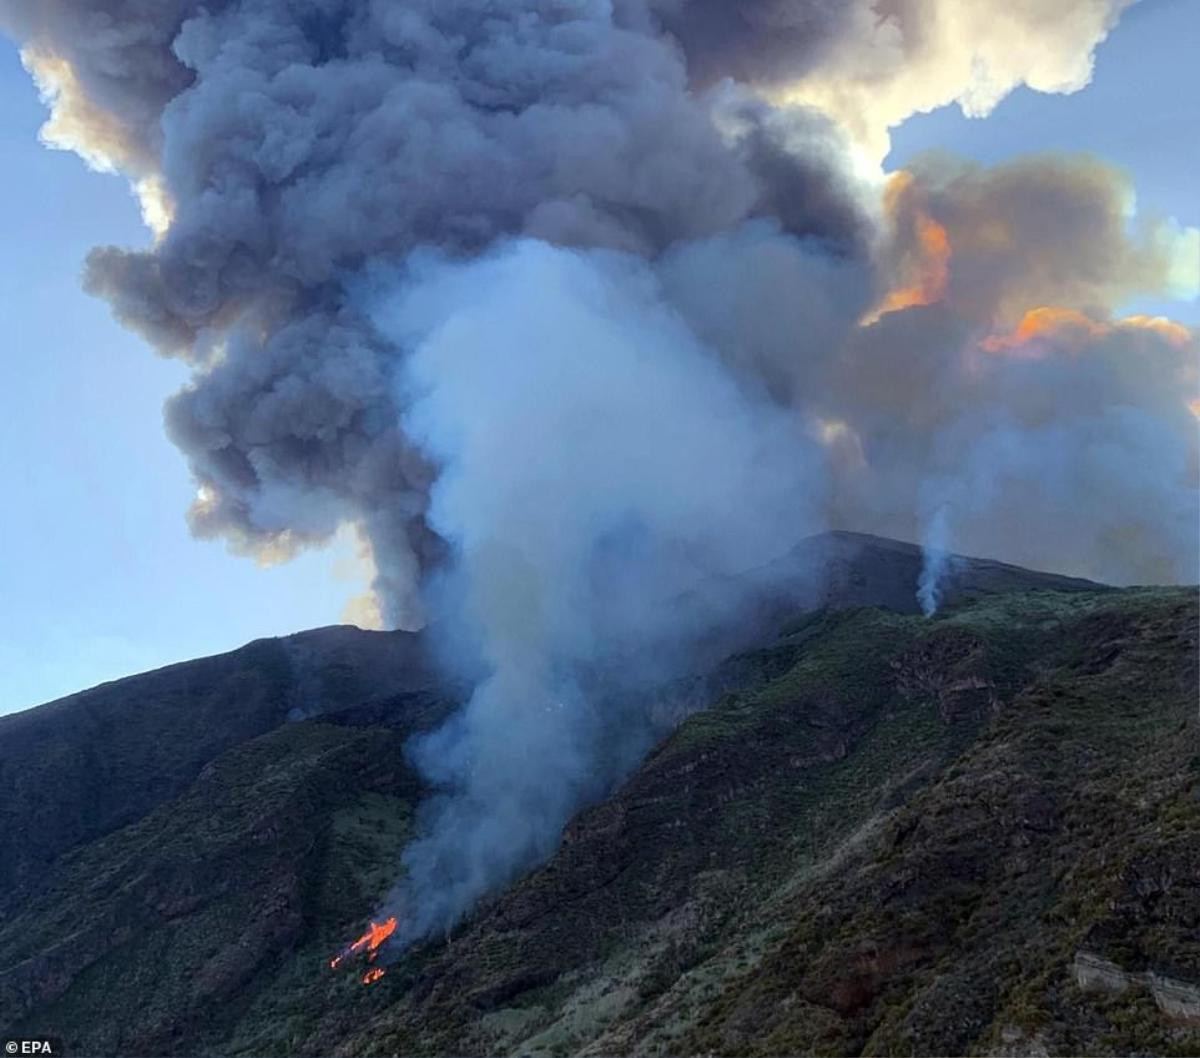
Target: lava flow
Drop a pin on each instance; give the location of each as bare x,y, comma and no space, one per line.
370,943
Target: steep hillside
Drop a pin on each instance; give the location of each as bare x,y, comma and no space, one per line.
78,768
976,833
863,570
973,834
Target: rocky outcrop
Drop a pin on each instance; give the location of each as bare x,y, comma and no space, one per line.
1179,1000
952,669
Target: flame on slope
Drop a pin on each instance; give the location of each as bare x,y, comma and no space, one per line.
369,942
373,975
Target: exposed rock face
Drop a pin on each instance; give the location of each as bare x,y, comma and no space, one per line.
1176,999
953,671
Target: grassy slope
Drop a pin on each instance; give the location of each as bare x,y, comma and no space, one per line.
81,767
897,844
74,770
894,839
219,909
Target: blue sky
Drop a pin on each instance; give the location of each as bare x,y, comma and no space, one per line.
1139,113
99,576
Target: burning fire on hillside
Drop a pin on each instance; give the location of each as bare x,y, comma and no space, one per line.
370,943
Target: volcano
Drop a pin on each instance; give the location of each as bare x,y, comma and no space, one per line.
861,830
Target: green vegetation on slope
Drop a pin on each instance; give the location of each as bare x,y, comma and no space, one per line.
899,836
216,914
898,844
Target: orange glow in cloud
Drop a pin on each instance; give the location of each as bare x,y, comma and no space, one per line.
898,185
1175,333
930,258
1067,327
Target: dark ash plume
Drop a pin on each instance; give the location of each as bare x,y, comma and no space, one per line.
289,147
299,160
753,41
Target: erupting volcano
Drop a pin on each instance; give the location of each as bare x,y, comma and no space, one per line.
570,310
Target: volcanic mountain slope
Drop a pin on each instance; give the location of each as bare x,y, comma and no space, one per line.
83,766
979,832
909,837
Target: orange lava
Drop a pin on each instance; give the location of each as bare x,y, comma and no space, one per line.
373,975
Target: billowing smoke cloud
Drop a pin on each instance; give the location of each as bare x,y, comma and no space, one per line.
567,403
286,145
996,405
759,42
880,61
1058,231
572,307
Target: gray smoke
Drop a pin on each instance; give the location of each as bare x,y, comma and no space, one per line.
291,144
754,41
558,391
1003,409
572,309
937,562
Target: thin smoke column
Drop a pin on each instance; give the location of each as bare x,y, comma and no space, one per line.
576,307
936,562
